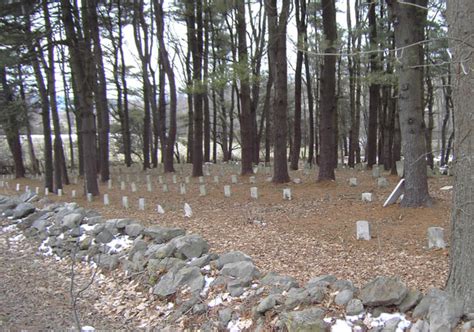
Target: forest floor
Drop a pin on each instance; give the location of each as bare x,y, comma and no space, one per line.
311,235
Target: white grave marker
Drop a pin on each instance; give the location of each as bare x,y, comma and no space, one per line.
106,199
233,178
436,238
125,202
287,194
159,209
186,179
27,189
202,190
122,185
375,171
148,187
353,182
37,190
227,192
73,194
252,179
109,184
254,192
46,191
182,189
216,179
160,179
400,168
367,197
396,193
165,188
141,204
188,212
60,192
363,230
175,179
17,187
89,197
134,187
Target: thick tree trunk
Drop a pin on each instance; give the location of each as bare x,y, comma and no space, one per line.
448,104
460,13
430,127
309,89
328,95
277,24
409,24
246,116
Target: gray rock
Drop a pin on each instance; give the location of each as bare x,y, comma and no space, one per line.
341,285
85,243
123,223
236,287
324,280
354,307
75,232
232,257
111,226
467,326
163,234
165,250
201,261
22,210
138,246
95,220
134,230
106,261
279,281
383,291
423,307
420,326
167,264
296,297
343,297
41,224
189,246
186,277
71,220
243,271
411,300
267,303
9,203
225,315
30,220
199,308
436,238
28,196
317,293
382,182
104,237
391,325
305,320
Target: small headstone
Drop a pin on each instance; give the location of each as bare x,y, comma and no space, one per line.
148,187
160,179
227,191
396,193
255,169
233,178
182,189
134,187
17,187
201,179
188,212
89,197
109,184
363,230
400,168
202,190
125,202
297,180
175,179
165,188
254,192
60,192
46,191
73,194
27,189
122,185
252,179
186,179
141,204
436,238
159,209
216,179
106,199
382,182
37,190
367,197
353,182
287,194
375,171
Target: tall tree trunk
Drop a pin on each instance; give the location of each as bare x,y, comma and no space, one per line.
350,68
277,24
461,270
448,105
430,127
100,93
205,96
81,59
409,30
245,116
374,89
301,27
328,94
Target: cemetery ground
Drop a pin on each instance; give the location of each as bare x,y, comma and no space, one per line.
312,234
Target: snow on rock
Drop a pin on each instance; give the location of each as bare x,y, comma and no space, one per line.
18,238
87,329
9,229
341,326
239,325
207,285
119,244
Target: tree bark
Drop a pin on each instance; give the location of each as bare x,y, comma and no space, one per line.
328,95
461,30
277,25
409,25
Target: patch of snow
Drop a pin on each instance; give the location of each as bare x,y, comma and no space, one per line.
341,326
170,305
206,268
44,249
87,328
215,302
445,188
208,281
18,238
239,325
384,317
61,236
87,228
9,229
119,244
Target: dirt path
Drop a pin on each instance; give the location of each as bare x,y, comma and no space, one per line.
35,290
